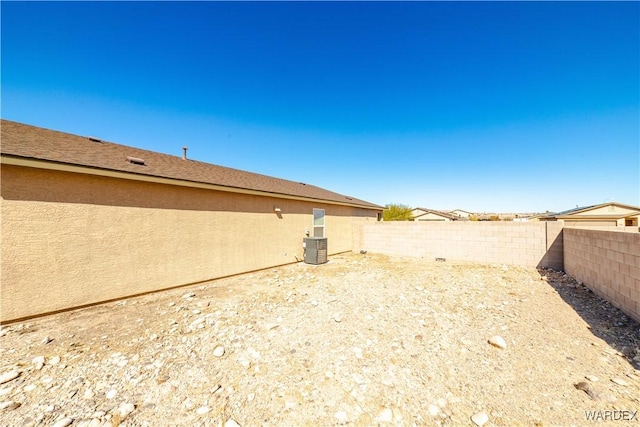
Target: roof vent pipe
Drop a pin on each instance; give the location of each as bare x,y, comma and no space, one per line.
184,152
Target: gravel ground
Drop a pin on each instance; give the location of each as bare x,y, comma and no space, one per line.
362,340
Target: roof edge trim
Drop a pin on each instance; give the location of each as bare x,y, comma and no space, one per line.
7,159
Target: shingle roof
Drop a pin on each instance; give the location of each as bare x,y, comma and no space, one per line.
31,142
592,207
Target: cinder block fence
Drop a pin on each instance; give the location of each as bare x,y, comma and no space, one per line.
607,261
535,244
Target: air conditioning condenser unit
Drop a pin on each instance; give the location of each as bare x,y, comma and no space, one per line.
315,250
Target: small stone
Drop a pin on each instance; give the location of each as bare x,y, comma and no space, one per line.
9,376
188,295
433,410
231,423
314,303
38,362
46,340
619,382
9,405
196,323
219,351
54,360
202,410
125,409
480,418
385,416
592,378
595,393
341,416
269,326
111,394
64,422
337,318
498,341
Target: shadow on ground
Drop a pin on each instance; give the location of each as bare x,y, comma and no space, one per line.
607,322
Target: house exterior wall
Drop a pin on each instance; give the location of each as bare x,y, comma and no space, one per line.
536,244
608,262
461,213
71,239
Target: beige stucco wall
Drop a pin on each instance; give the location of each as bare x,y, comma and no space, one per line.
72,239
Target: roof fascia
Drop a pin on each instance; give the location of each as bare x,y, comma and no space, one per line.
65,167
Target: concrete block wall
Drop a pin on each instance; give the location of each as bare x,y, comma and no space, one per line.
536,244
608,262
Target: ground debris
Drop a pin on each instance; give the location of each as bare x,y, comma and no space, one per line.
363,340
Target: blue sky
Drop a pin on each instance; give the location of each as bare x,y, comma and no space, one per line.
513,107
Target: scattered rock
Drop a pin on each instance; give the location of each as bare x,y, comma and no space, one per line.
498,341
385,416
64,422
54,360
231,423
189,295
125,409
594,393
9,405
46,340
9,376
480,418
368,368
619,382
341,416
38,362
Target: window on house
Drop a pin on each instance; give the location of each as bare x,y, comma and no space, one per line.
318,222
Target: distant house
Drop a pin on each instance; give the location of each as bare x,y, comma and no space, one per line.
86,221
424,214
604,214
547,216
461,213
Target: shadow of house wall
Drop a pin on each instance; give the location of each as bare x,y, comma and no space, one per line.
608,262
535,244
72,239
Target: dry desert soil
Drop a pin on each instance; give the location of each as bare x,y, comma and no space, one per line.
363,340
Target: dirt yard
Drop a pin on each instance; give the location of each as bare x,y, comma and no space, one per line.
363,340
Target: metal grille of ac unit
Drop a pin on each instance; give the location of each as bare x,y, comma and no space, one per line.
315,250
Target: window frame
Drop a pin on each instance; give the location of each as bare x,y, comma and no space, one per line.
319,227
